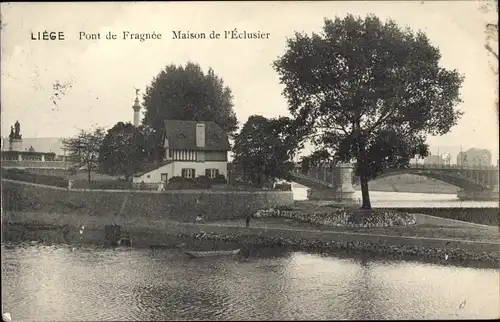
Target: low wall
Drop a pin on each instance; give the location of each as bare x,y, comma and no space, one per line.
62,228
172,205
484,216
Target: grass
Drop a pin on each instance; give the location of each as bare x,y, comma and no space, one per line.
412,183
472,233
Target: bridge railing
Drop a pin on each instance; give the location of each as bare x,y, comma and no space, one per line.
453,166
35,164
437,166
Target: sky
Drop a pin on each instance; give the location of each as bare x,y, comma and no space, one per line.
103,73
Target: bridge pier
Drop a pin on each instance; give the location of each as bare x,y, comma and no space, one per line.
342,189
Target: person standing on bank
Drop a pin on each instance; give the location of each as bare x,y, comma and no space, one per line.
247,219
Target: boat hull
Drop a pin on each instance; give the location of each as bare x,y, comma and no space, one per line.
213,253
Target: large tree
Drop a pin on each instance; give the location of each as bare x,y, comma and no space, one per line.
368,92
187,93
83,149
264,149
123,150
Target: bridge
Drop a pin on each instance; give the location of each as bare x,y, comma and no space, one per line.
336,183
35,164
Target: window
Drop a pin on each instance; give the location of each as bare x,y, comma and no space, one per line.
212,173
164,177
188,173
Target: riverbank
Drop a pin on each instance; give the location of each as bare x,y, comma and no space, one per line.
425,240
478,215
411,183
179,205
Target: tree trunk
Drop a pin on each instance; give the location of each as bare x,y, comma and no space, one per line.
365,194
89,169
362,165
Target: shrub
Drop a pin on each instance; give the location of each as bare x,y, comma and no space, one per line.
21,175
177,179
178,183
220,179
201,182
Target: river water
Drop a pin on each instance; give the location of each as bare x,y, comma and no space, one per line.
407,199
57,283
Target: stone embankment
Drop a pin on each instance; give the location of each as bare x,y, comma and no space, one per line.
37,227
444,254
342,217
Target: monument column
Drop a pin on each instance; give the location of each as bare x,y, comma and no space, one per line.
136,107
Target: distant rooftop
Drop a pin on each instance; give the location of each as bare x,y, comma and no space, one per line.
46,145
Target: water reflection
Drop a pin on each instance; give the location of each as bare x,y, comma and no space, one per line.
55,283
408,199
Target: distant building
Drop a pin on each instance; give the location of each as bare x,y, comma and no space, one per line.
48,145
19,152
474,157
434,160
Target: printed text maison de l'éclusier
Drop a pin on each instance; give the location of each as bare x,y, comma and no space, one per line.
226,34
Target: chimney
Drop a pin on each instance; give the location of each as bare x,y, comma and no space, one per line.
200,135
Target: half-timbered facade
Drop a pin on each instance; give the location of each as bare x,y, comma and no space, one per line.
192,149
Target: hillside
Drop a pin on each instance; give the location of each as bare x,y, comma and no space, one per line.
411,183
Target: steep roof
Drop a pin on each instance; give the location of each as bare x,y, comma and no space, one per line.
181,135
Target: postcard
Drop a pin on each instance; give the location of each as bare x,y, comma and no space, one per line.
249,160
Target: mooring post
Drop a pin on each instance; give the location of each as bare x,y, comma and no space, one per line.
112,234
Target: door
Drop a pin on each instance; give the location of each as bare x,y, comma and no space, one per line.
164,178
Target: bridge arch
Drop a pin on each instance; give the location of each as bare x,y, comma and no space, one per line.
453,178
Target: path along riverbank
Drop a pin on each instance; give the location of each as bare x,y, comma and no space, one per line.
431,238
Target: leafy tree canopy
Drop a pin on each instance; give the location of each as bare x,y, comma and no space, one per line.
264,149
123,150
369,92
187,93
83,149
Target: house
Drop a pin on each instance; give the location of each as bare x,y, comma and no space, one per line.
192,149
474,157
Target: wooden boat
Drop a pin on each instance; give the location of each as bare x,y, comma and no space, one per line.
213,253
